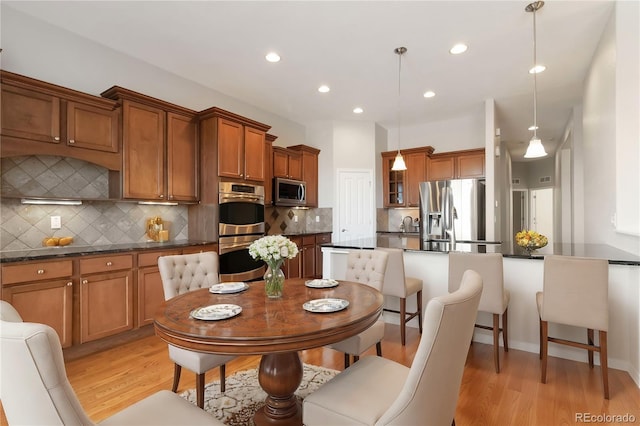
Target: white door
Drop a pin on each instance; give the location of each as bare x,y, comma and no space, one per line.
355,206
542,212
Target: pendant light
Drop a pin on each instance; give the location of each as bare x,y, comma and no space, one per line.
398,163
535,149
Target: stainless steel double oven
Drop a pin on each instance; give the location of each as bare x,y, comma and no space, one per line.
241,222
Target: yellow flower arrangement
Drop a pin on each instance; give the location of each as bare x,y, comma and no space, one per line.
531,240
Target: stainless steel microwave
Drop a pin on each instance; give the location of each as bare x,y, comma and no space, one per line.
289,192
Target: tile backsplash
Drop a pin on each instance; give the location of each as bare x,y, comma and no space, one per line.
24,226
284,220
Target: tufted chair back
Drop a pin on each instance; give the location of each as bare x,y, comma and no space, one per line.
188,272
367,267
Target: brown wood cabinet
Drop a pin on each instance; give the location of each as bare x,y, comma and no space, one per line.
309,171
40,118
401,187
308,253
456,165
287,163
42,292
268,169
292,268
106,296
160,148
320,239
150,291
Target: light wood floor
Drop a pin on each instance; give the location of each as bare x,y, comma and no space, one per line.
110,380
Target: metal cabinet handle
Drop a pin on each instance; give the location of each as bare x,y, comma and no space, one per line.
72,141
85,281
40,271
161,195
56,138
69,284
109,263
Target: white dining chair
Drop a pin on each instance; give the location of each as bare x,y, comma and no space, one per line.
180,274
378,391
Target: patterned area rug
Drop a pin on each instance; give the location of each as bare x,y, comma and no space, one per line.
243,394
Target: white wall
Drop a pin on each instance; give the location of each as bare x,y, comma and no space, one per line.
603,165
39,50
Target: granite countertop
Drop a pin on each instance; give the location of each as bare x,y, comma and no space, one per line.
410,243
68,251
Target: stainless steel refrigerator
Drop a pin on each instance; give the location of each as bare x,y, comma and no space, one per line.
452,211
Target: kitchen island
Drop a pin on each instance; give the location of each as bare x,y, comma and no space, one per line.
523,277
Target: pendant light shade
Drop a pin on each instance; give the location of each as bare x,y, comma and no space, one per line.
398,163
535,149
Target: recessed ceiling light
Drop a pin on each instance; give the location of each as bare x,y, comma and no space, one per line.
532,128
458,49
323,89
537,69
272,57
429,94
358,110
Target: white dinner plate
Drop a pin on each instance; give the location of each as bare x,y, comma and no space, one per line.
321,283
216,312
226,288
325,305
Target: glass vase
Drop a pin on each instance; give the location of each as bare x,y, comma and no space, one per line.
274,281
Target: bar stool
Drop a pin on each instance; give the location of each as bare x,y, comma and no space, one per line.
398,285
575,292
494,300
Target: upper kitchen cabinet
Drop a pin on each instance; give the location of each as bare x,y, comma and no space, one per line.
456,165
235,144
309,171
159,149
401,187
287,163
268,182
40,118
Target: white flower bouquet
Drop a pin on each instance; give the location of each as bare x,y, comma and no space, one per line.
273,249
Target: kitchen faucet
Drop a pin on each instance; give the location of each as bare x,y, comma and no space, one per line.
404,224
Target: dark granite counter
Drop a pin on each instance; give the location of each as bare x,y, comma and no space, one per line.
411,242
68,251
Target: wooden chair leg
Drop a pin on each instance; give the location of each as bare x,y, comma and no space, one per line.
505,330
403,319
200,390
379,348
540,335
176,377
544,330
419,305
496,342
347,361
590,343
222,377
604,365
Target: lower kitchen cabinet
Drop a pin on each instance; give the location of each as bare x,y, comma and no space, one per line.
308,262
106,298
42,292
292,268
320,239
308,253
150,290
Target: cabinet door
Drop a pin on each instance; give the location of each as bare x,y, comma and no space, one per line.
320,239
150,294
310,176
393,184
143,151
441,168
254,141
182,158
29,114
295,166
280,163
106,305
92,127
415,173
230,148
471,165
47,302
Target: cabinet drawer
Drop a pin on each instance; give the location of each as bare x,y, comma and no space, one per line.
12,274
151,259
308,240
106,263
323,238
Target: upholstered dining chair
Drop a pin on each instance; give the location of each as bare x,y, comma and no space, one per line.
378,391
180,274
397,284
36,391
366,267
575,291
494,300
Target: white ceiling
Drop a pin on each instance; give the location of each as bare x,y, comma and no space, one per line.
349,46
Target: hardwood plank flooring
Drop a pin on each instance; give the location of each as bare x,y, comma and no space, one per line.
110,380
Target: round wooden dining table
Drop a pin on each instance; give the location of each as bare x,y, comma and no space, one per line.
274,328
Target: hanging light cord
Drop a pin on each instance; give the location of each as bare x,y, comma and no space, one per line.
400,51
535,86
